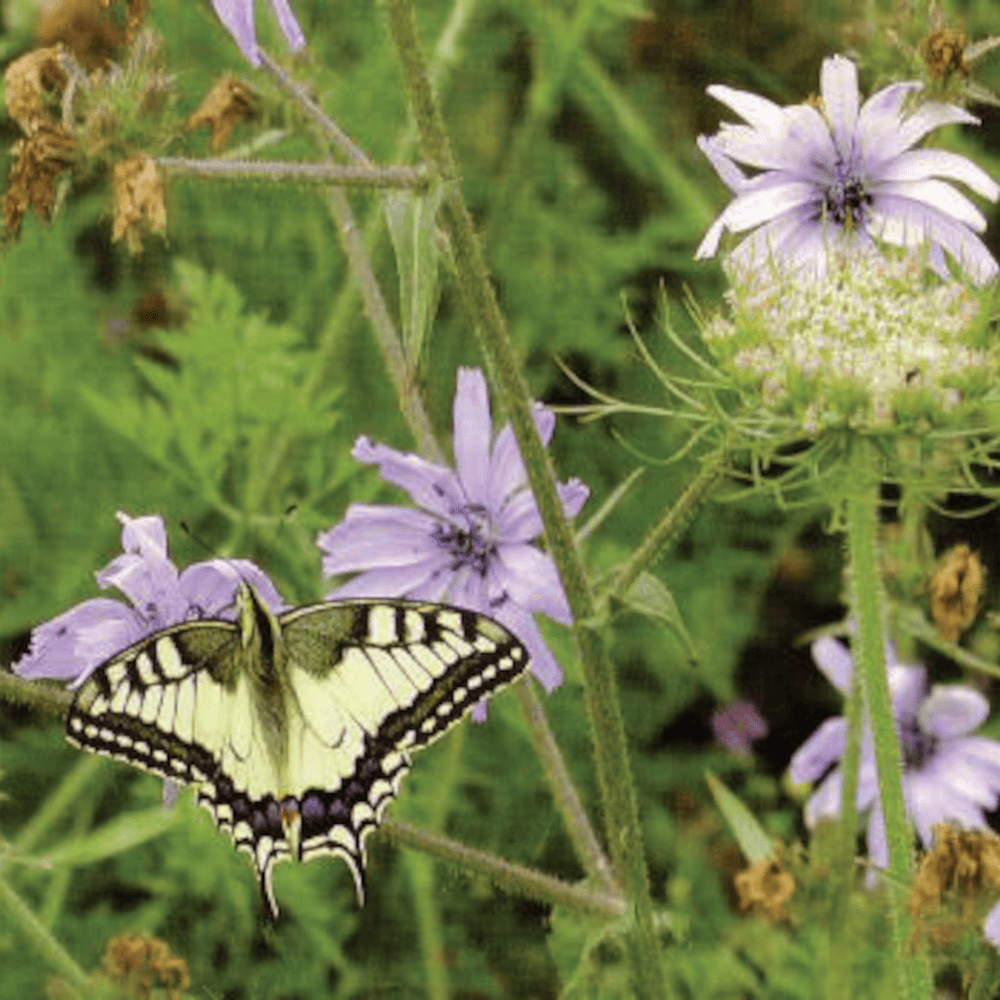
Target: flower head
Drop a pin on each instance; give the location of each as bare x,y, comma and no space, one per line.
238,17
870,342
69,646
948,775
469,543
845,175
737,725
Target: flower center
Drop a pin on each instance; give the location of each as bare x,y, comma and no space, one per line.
916,746
845,202
468,537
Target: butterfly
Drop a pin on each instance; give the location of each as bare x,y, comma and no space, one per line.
296,729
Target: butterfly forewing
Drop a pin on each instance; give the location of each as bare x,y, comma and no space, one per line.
300,740
161,704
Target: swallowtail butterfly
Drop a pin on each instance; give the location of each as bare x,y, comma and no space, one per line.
296,729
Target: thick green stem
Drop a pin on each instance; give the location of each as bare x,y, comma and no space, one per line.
476,292
839,985
869,656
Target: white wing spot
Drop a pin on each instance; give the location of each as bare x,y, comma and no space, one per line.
382,624
169,658
144,667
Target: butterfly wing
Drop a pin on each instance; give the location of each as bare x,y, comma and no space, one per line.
181,704
371,681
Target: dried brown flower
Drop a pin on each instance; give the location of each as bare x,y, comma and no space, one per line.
29,79
226,103
84,27
955,590
765,887
140,963
38,161
944,53
961,859
139,201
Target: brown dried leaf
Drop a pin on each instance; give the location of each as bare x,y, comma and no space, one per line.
961,859
84,27
226,103
139,201
38,161
28,79
765,887
955,590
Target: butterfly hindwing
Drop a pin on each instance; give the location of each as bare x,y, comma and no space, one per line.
296,730
374,680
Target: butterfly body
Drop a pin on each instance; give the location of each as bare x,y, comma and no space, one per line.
296,729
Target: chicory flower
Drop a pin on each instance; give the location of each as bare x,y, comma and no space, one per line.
469,542
843,175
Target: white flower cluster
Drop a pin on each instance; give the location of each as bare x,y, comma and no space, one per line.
866,344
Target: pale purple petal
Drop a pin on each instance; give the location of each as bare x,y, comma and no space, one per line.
56,650
209,588
878,847
826,746
917,164
507,472
834,660
145,536
991,928
372,535
952,710
237,16
907,686
939,196
289,24
530,577
398,581
825,801
839,86
520,623
433,487
472,432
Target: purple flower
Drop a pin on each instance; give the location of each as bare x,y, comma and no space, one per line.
469,544
737,725
238,17
947,774
69,646
843,174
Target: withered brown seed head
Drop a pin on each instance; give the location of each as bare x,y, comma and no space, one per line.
85,27
38,161
955,590
28,80
226,103
944,53
139,201
964,860
765,887
141,962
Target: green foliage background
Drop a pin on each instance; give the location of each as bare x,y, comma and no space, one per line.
184,383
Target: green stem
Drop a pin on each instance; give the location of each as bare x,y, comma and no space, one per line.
478,300
672,521
869,655
842,880
511,878
588,850
282,171
22,916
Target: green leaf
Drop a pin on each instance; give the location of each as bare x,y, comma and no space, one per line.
112,838
418,257
650,597
754,842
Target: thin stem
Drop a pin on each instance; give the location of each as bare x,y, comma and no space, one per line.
326,124
588,849
23,917
359,261
281,171
480,305
862,523
672,521
511,878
